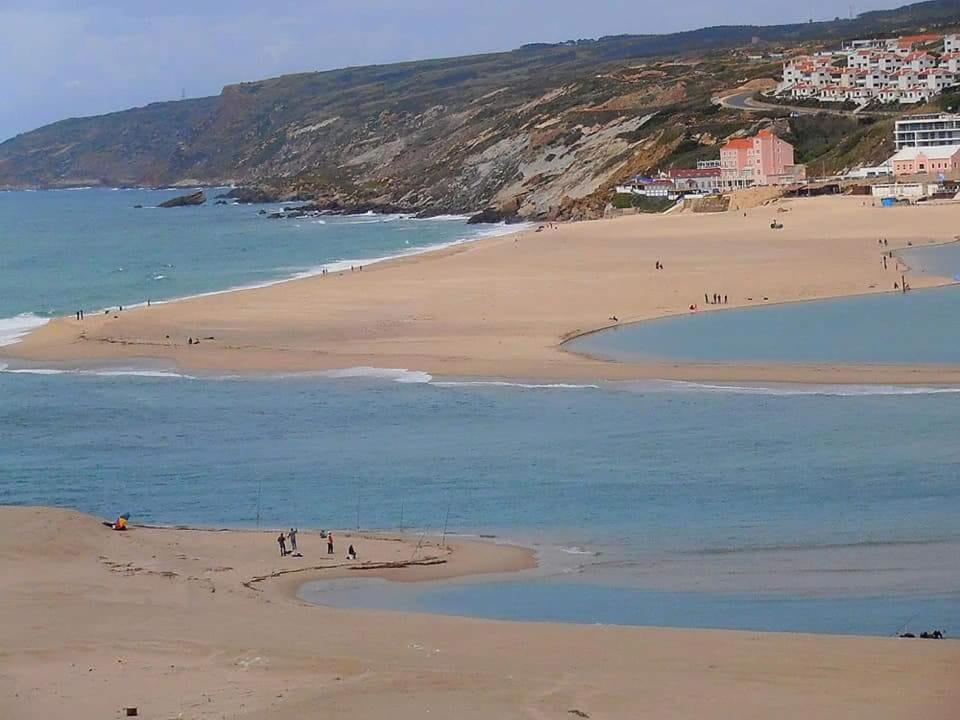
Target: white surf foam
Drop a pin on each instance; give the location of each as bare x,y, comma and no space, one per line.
576,550
13,329
507,383
445,218
395,374
35,371
116,372
136,373
791,390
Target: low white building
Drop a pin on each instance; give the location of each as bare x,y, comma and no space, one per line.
951,44
862,173
910,191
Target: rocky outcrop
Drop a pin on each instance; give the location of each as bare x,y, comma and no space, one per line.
492,216
197,198
255,195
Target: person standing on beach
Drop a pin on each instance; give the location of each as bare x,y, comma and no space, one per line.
281,541
329,543
293,539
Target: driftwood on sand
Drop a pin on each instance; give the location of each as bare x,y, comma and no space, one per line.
426,562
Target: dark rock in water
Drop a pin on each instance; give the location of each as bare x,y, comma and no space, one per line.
275,216
252,195
197,198
261,212
493,216
138,207
220,202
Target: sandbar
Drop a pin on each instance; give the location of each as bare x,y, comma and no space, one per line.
502,307
94,621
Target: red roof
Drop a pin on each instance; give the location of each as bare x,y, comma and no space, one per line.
912,39
739,144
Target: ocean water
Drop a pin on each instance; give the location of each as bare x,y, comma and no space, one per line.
829,509
92,249
787,510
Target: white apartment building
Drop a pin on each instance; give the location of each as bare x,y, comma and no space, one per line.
951,44
935,129
894,70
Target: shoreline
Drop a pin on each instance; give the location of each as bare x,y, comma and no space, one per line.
93,621
307,324
30,322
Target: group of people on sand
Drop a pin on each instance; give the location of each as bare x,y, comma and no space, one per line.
291,537
902,285
717,299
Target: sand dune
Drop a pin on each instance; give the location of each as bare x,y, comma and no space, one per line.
501,307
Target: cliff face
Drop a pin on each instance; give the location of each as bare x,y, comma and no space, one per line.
523,130
543,130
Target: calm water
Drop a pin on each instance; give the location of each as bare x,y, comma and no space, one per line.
822,502
794,508
920,327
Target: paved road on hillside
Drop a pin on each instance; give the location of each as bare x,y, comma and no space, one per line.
746,102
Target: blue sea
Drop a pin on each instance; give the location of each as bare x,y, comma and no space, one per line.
798,508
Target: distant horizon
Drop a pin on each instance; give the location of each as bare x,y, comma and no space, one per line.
108,59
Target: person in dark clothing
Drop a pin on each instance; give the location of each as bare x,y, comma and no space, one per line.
282,541
351,553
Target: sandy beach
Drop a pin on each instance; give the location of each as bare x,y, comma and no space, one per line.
502,307
168,621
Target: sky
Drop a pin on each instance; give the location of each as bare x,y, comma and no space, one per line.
67,58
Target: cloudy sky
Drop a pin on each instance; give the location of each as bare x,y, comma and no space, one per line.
64,58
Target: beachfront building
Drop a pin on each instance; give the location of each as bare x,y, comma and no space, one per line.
929,129
698,180
870,171
896,70
763,159
935,160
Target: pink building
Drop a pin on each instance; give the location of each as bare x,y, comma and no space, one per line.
926,160
763,159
